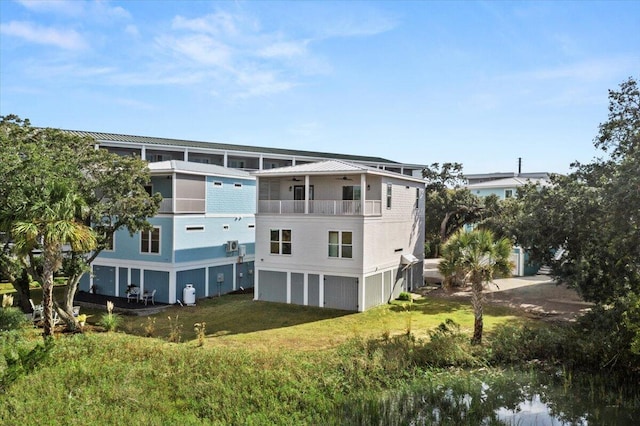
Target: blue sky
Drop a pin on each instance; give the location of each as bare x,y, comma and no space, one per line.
481,83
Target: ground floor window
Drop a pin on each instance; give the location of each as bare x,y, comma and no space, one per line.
341,244
280,241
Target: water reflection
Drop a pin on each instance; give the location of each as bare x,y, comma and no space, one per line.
485,398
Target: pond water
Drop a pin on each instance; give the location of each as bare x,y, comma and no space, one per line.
511,398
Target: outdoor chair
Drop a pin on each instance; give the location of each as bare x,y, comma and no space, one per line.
76,311
133,293
146,296
36,314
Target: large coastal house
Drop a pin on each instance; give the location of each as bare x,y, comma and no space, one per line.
204,235
338,235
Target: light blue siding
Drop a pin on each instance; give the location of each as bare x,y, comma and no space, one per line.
84,283
228,198
159,281
247,278
104,279
226,285
128,247
195,277
123,283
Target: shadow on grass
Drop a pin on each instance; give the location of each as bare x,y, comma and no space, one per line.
435,306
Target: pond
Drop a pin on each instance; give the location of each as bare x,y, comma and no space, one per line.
503,398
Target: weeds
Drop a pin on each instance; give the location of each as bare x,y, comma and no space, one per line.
200,329
175,330
149,327
110,321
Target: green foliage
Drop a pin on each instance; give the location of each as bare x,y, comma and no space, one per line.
405,296
449,347
12,319
513,344
19,358
201,331
109,320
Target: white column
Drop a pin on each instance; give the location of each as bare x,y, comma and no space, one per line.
255,282
305,291
363,193
321,288
117,280
142,281
261,162
226,159
361,293
143,153
306,194
206,281
234,276
186,154
172,285
173,193
288,287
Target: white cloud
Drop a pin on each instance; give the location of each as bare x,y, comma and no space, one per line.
358,27
199,48
65,39
132,30
284,49
65,7
220,23
260,83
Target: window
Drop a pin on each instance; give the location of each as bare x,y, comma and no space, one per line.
217,184
417,198
341,244
280,241
351,193
251,226
195,228
389,186
150,241
149,189
508,193
237,185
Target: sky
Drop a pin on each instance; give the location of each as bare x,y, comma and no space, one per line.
480,83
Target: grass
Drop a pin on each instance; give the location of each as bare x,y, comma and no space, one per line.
237,320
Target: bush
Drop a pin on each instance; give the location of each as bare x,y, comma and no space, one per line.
514,344
110,321
405,296
12,319
448,347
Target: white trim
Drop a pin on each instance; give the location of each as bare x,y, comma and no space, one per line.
305,289
288,286
150,233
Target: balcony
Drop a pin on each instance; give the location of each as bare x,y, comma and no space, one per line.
183,205
322,207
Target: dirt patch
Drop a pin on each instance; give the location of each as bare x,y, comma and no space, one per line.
538,297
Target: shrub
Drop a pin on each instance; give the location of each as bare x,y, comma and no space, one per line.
405,296
12,319
448,347
110,321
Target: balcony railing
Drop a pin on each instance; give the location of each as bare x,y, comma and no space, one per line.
322,207
183,205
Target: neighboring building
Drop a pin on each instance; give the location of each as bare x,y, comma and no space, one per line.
337,234
505,185
241,157
203,235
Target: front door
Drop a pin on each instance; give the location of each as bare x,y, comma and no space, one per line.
298,195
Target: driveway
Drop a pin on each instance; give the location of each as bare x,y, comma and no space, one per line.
538,296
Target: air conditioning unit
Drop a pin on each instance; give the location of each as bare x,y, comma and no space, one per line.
232,245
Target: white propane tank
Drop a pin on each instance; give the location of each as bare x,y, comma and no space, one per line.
189,295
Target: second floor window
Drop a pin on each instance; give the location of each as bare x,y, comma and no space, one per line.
280,241
389,187
150,241
341,244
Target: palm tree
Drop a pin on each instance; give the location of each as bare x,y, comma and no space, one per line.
54,220
477,258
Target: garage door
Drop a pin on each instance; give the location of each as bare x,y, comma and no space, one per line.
341,293
272,286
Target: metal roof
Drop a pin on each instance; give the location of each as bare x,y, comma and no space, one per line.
511,182
330,167
197,168
144,140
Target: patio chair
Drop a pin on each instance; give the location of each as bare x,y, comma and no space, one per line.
133,294
36,314
76,311
146,296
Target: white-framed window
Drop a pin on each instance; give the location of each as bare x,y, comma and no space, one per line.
389,190
508,193
150,241
280,241
341,244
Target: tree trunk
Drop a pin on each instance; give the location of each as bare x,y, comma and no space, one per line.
65,310
21,285
477,302
48,268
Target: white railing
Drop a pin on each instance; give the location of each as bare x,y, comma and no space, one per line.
183,205
321,207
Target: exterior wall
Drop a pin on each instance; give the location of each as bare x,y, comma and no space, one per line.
272,286
226,285
104,280
195,277
229,198
128,247
341,293
374,291
159,281
297,288
313,290
493,191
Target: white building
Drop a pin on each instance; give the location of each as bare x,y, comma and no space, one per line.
338,235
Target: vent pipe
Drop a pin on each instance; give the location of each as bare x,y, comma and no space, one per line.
519,165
